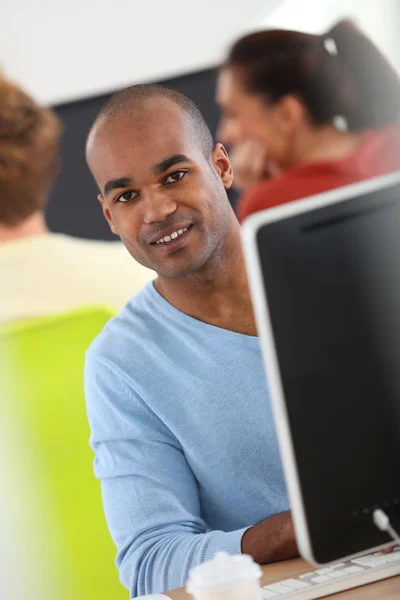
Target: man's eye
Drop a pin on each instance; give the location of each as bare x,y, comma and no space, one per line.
175,176
126,196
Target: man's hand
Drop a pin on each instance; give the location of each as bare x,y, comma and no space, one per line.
271,540
251,165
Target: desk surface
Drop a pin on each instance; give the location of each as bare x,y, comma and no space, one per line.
387,589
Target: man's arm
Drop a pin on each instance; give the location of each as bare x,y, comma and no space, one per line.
150,493
271,540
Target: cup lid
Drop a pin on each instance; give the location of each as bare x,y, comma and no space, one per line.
224,570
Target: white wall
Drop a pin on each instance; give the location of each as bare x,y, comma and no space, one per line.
62,50
380,19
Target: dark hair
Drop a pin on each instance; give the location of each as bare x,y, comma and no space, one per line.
29,154
135,96
346,76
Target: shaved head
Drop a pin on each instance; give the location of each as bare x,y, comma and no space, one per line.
159,174
136,96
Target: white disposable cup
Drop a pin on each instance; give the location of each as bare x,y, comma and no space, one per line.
225,577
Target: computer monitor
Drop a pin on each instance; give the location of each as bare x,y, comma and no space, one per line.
325,281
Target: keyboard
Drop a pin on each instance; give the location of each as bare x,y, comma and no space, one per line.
337,578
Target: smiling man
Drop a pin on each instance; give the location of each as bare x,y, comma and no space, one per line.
181,424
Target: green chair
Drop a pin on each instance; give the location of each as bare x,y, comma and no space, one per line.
42,397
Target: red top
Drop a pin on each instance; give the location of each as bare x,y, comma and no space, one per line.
378,153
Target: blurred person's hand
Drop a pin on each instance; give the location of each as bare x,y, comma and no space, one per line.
250,165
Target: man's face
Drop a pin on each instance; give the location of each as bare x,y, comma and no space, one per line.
159,193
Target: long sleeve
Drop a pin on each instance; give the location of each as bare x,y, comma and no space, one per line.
150,494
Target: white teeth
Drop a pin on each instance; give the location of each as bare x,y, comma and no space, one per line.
173,236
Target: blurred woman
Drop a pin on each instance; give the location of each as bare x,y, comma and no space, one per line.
307,113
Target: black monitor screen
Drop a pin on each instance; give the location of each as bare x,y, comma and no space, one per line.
332,278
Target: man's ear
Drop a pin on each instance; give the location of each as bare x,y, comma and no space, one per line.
222,165
106,213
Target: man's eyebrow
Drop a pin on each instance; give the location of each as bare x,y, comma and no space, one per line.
158,169
115,184
169,162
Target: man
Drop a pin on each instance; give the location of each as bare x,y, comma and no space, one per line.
42,272
181,424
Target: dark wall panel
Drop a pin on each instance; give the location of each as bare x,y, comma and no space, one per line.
73,207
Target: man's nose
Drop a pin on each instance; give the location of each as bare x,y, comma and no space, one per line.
157,206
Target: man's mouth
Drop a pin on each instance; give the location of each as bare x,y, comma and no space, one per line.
168,238
175,238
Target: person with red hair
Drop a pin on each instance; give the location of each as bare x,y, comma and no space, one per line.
43,272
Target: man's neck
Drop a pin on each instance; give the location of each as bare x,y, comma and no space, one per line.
219,293
32,226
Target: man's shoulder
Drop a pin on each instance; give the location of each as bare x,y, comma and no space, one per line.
127,331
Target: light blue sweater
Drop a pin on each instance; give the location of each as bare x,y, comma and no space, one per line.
184,440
